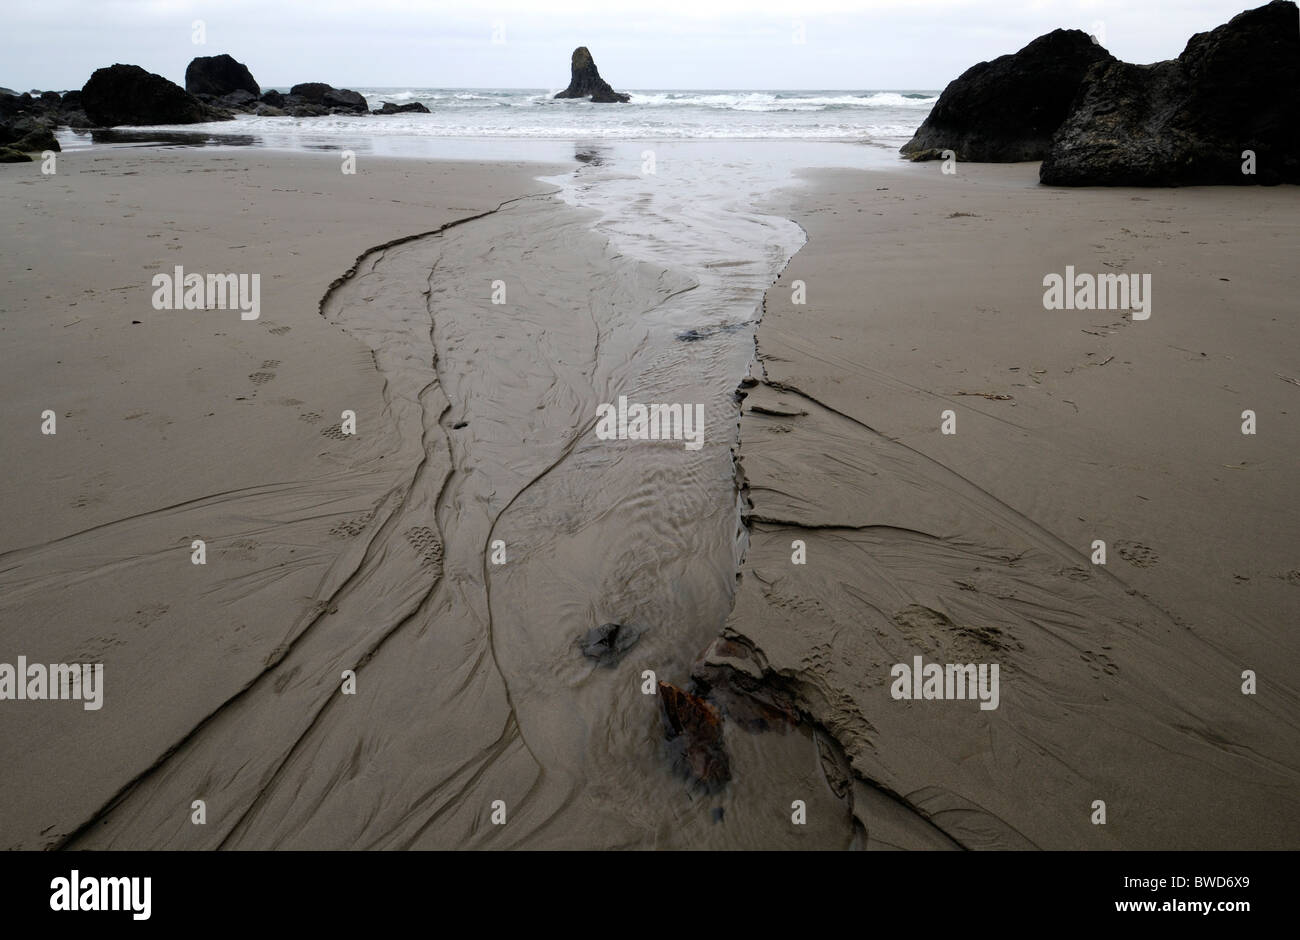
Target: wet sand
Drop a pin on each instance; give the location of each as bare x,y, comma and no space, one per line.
1120,683
185,425
455,551
375,552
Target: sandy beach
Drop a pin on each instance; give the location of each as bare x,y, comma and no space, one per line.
182,425
1120,682
454,551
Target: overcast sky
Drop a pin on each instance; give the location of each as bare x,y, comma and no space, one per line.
696,44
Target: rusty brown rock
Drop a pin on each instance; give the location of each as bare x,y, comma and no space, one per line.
693,728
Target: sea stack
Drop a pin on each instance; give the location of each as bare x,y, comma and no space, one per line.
585,80
219,75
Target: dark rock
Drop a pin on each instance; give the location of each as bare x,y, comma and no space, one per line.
607,643
9,155
344,99
310,91
239,100
693,728
295,109
738,678
262,109
329,97
1188,120
585,80
929,153
1006,110
389,108
71,100
26,133
273,98
219,75
41,139
127,94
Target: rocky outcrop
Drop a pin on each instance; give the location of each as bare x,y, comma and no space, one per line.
28,134
331,100
389,108
128,95
47,109
1189,120
1007,110
27,122
219,75
273,98
585,80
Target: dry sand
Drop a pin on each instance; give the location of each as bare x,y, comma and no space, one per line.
1120,683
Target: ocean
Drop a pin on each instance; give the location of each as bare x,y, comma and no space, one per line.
885,119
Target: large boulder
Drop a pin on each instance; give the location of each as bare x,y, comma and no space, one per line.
328,97
1007,110
1189,120
585,80
219,75
127,94
389,108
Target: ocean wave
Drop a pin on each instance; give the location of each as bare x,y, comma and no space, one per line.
751,101
628,128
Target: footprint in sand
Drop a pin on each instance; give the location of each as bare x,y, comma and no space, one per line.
1099,662
145,616
426,542
349,528
241,550
335,432
278,330
261,378
1137,554
311,417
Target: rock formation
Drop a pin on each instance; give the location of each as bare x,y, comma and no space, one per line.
1007,110
324,99
389,108
1189,120
127,94
219,75
585,80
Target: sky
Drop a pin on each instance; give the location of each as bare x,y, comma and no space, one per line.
650,44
